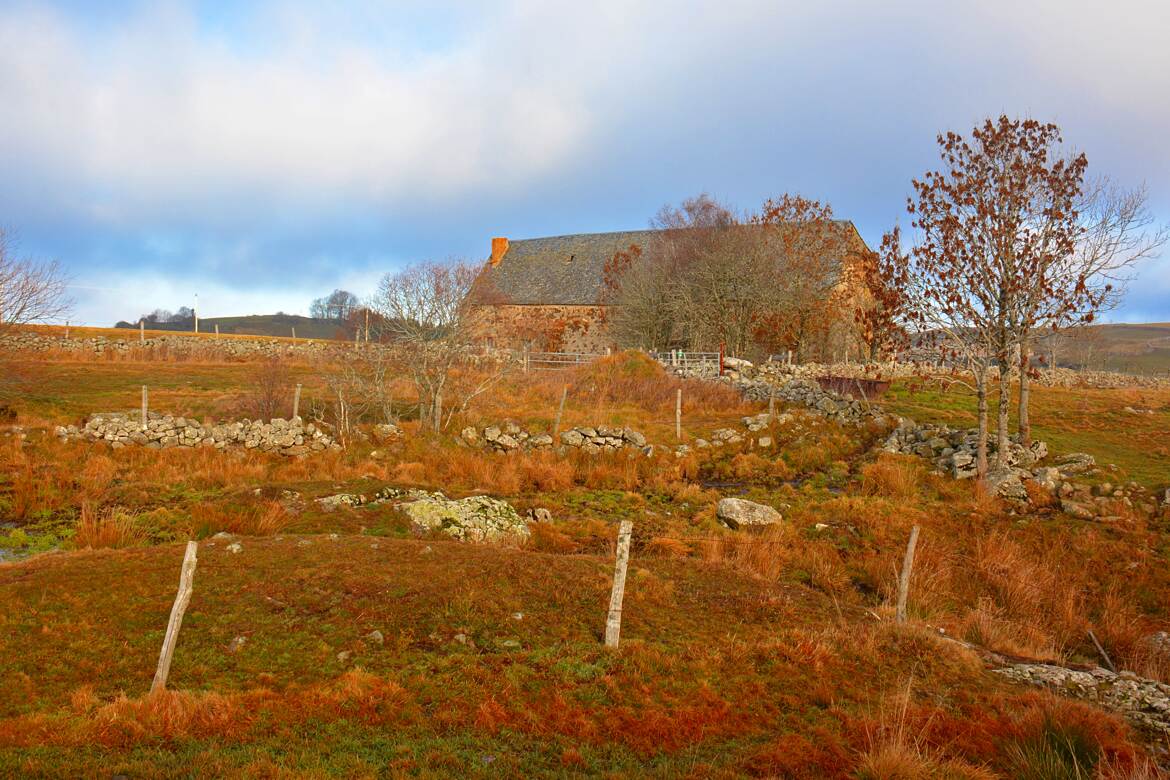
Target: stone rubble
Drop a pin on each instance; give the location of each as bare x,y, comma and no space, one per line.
1145,703
164,431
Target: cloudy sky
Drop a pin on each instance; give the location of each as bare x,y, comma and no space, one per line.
261,154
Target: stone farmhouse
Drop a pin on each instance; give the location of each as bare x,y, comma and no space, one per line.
549,293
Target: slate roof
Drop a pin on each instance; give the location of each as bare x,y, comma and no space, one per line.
559,270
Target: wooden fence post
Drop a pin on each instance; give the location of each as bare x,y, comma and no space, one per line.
789,357
771,404
66,330
144,406
560,413
217,331
904,576
182,599
294,333
297,402
438,412
722,354
678,415
525,358
613,623
141,331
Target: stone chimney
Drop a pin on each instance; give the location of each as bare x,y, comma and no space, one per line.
499,248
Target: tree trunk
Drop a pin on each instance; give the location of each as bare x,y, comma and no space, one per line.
981,440
1003,409
1025,423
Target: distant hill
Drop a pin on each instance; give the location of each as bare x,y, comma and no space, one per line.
256,325
1136,349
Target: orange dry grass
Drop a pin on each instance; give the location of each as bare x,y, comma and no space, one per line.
263,518
112,527
893,476
179,715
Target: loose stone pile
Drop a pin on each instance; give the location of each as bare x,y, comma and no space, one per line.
953,450
120,429
1145,703
510,437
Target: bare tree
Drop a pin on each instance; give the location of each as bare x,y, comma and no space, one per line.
1114,231
427,310
31,291
338,305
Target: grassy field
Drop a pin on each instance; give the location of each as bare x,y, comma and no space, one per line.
1069,420
743,654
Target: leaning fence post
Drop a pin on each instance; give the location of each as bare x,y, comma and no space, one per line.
144,406
613,623
904,576
678,415
182,599
297,402
560,412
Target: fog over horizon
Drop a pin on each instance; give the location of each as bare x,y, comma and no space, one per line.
261,157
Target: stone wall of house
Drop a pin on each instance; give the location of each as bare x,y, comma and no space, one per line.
545,328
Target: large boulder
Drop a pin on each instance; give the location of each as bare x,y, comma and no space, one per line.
738,513
474,519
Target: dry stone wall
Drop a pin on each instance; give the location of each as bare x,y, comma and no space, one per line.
120,429
184,345
510,437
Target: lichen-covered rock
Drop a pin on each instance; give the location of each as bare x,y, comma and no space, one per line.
475,519
738,513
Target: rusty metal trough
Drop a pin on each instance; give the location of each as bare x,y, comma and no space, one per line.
860,389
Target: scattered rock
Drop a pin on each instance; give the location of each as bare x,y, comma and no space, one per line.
235,547
376,637
738,513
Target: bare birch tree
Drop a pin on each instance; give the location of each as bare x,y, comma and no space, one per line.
31,291
427,311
